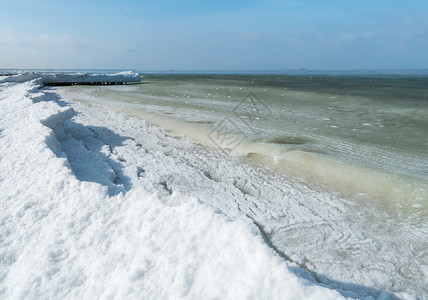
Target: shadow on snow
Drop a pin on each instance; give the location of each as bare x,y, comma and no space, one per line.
92,154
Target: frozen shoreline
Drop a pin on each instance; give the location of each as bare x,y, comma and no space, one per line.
65,237
113,171
365,247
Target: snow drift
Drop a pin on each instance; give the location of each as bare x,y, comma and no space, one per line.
61,237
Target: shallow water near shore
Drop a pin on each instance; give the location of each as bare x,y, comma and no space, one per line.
358,137
361,136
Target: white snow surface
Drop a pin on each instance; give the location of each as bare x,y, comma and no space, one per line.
80,221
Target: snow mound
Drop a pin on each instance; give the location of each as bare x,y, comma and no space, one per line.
66,238
21,77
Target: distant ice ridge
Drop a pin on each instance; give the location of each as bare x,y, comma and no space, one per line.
61,237
126,76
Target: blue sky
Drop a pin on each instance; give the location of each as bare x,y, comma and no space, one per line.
214,35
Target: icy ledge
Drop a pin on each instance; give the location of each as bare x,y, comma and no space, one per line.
65,238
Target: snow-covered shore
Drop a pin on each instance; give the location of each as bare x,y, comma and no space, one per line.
78,221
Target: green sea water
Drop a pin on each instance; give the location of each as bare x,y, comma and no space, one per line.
362,136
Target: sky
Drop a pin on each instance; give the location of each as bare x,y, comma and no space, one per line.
161,35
